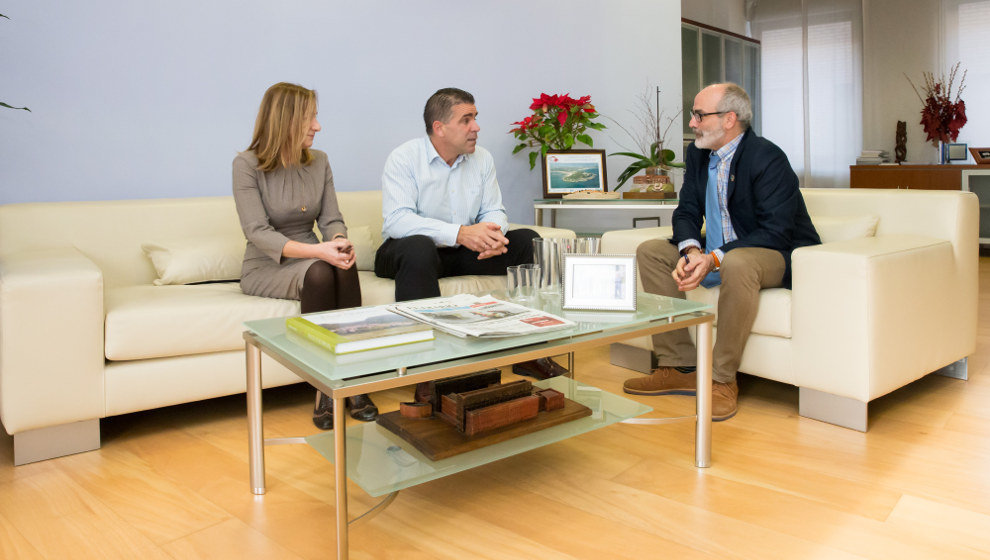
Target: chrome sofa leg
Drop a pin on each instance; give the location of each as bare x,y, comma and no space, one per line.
841,411
958,369
56,441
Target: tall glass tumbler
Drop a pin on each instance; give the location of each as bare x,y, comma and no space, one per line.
575,246
545,254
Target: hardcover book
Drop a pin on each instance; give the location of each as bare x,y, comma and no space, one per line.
354,330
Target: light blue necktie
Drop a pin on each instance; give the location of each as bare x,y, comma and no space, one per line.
713,219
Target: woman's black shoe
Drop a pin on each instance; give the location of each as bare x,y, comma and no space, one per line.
362,408
323,412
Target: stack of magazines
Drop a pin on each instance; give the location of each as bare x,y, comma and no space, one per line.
354,330
484,317
370,328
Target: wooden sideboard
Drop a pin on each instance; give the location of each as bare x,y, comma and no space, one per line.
928,177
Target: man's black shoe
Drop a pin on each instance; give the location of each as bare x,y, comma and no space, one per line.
543,368
362,408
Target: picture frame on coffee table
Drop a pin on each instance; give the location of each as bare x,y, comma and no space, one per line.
569,171
598,282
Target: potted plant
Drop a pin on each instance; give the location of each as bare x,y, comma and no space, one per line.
557,122
942,114
653,157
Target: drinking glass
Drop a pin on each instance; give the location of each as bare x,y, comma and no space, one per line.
545,253
523,281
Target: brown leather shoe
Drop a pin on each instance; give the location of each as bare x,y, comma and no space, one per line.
542,368
663,381
724,400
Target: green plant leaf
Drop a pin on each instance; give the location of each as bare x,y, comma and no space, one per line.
630,154
596,126
585,139
633,169
2,104
568,140
532,160
3,16
519,148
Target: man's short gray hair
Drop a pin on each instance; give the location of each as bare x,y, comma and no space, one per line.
736,99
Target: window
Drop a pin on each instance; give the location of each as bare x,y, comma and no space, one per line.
812,94
966,41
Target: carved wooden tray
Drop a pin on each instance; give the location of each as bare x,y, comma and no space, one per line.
438,440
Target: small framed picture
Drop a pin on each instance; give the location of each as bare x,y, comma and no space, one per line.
570,171
981,155
955,152
599,282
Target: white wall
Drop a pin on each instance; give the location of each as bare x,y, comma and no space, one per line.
148,100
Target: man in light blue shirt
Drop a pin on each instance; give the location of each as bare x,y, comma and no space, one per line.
442,206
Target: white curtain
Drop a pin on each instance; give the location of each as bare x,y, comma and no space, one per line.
966,39
811,84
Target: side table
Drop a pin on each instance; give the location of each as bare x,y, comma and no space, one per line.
648,209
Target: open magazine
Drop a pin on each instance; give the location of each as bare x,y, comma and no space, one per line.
486,317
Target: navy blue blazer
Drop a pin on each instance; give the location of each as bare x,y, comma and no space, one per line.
765,204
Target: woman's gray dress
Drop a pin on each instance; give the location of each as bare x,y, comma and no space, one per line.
276,206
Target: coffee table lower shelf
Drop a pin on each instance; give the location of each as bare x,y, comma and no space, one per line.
381,462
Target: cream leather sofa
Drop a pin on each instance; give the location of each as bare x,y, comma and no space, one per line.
890,296
85,332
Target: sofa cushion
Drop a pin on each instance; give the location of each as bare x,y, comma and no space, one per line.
364,245
158,321
843,228
188,261
379,291
773,317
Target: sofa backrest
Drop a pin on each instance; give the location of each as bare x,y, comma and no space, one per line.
900,211
111,232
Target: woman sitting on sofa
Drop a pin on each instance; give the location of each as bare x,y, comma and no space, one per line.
281,187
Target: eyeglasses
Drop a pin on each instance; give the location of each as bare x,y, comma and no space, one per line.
699,116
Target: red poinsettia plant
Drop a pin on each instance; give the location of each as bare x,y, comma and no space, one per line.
943,113
557,122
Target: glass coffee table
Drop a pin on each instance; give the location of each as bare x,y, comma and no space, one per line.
389,464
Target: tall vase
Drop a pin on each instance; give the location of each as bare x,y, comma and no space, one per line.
943,153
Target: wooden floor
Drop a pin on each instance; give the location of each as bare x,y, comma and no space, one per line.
173,483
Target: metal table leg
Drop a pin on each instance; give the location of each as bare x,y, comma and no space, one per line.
256,432
703,430
340,473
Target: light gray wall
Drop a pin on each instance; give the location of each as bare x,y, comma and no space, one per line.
148,100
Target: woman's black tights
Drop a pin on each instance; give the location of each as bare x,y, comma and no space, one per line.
325,288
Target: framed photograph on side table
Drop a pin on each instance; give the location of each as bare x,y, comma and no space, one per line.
981,155
598,282
570,171
954,151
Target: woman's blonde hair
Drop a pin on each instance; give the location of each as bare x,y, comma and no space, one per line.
283,122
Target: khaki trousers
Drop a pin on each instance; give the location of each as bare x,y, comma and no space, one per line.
745,271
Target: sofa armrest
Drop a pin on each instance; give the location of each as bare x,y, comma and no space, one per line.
546,232
51,339
870,315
